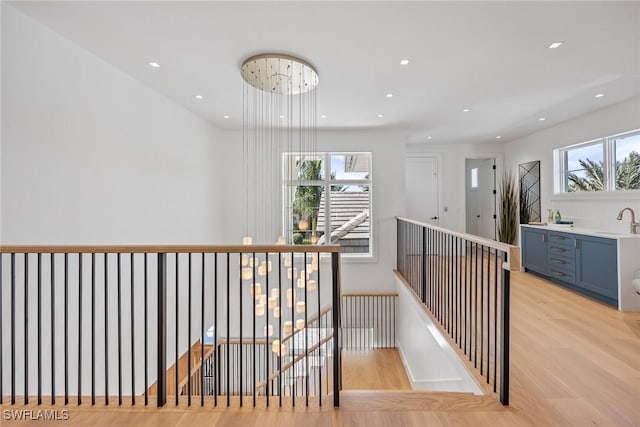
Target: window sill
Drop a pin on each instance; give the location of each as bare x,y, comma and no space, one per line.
600,195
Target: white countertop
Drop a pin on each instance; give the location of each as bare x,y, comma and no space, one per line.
585,231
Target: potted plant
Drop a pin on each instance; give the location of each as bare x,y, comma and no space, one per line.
508,213
508,217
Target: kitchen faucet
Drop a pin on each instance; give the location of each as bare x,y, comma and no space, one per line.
634,225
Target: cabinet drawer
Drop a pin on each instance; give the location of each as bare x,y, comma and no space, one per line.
561,239
564,251
562,261
562,274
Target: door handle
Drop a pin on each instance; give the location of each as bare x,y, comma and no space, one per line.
434,217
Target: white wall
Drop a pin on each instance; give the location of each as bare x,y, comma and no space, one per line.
418,337
452,175
89,155
593,211
374,274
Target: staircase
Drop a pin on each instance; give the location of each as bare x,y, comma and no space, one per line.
288,376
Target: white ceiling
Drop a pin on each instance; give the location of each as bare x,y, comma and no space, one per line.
491,57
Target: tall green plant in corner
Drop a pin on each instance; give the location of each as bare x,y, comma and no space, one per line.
508,220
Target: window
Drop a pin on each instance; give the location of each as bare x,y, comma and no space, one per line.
584,167
474,178
627,161
328,208
607,164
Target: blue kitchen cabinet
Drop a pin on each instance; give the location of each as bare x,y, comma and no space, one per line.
597,267
534,250
561,256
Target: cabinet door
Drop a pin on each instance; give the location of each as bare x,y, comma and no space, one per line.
596,266
534,250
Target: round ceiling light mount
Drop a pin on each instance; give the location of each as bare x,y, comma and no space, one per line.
278,73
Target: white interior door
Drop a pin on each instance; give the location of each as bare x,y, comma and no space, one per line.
480,199
488,199
422,189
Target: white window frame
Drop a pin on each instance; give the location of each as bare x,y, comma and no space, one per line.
561,181
327,182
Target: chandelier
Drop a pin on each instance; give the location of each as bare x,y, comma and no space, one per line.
279,116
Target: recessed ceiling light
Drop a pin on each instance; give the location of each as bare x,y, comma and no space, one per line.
599,95
555,45
154,64
225,117
199,96
282,116
324,116
429,137
404,62
542,119
498,137
389,95
465,110
380,116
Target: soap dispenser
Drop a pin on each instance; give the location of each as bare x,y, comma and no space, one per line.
550,219
558,217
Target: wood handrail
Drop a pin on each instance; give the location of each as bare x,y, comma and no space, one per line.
368,294
324,311
315,317
504,247
236,341
295,360
262,341
101,249
194,370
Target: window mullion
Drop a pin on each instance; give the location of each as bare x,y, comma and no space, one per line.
565,171
610,162
327,199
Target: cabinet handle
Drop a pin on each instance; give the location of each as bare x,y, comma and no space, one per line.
557,261
557,273
575,243
544,237
559,249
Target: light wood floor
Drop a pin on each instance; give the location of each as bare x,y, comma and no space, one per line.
378,369
574,362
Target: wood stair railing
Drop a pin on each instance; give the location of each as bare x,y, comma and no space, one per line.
183,374
197,361
301,356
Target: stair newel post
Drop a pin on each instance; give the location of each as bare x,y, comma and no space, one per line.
335,287
162,330
504,322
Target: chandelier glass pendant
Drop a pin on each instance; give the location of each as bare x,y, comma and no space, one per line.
279,116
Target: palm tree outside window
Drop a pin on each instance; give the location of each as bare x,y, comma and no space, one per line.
608,164
327,200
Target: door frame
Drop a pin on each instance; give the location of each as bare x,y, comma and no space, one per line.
439,165
499,159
